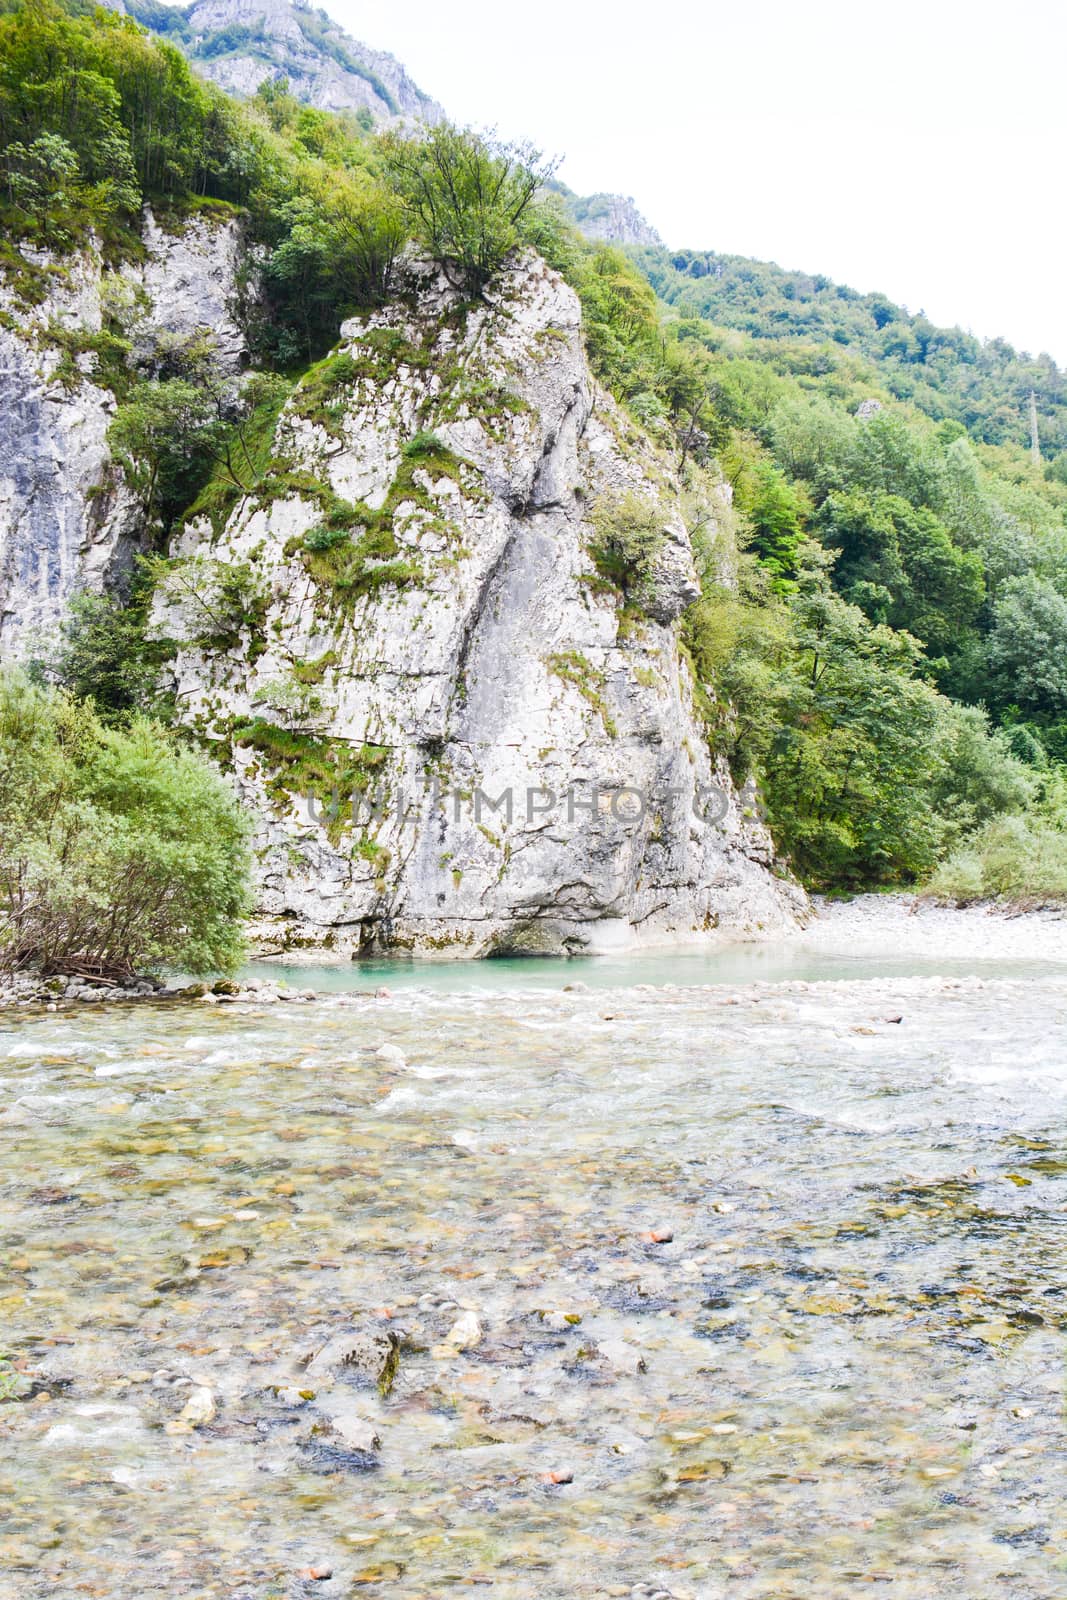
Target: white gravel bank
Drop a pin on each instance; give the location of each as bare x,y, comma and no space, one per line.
889,924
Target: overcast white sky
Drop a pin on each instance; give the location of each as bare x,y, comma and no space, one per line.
915,148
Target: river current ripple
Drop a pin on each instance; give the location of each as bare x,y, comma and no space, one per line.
712,1292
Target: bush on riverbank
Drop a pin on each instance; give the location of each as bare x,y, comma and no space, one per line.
119,850
1020,859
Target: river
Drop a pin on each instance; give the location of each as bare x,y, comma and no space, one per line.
702,1282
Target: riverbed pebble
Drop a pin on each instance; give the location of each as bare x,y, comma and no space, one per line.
199,1409
391,1055
466,1332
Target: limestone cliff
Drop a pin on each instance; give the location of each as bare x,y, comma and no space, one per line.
409,614
611,217
67,520
240,43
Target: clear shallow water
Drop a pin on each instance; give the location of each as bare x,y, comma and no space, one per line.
772,961
844,1373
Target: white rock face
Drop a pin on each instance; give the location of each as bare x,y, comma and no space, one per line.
492,663
190,277
323,64
67,520
614,218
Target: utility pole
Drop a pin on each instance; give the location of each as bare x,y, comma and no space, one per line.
1035,439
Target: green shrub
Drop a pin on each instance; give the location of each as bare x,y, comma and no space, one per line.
119,850
330,771
101,654
1021,860
312,672
188,436
337,254
424,445
629,537
831,716
213,603
321,396
348,568
324,537
981,777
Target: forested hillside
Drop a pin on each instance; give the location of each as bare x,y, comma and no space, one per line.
984,384
881,638
906,452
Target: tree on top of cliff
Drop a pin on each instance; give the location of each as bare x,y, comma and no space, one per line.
468,195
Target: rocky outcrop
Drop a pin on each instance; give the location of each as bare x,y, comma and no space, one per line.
424,632
67,520
407,641
240,43
613,218
190,277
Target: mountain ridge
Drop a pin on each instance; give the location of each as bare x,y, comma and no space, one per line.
610,218
239,44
